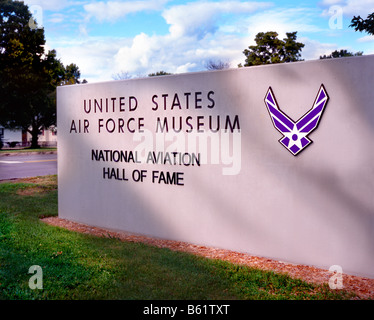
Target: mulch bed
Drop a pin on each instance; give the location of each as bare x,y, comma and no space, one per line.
363,287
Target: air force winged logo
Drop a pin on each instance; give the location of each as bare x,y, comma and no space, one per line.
295,134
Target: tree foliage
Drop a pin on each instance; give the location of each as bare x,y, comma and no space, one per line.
159,73
340,54
269,49
28,75
72,75
361,24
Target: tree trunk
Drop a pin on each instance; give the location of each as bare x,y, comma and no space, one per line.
34,140
34,137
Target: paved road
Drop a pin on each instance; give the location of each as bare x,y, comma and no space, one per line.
23,166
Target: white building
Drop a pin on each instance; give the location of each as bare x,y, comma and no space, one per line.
47,137
9,136
20,138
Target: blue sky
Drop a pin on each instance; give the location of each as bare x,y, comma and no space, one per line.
139,37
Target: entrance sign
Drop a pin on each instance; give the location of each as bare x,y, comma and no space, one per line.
194,157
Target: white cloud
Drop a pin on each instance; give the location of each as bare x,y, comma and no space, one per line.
51,5
113,10
282,21
57,18
94,56
131,58
148,54
194,37
198,31
314,49
331,2
369,38
351,7
198,18
185,68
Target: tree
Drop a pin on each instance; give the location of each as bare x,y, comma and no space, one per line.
217,65
340,54
28,75
361,24
159,73
55,68
72,74
269,49
60,74
123,75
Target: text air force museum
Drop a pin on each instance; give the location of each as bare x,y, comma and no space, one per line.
275,161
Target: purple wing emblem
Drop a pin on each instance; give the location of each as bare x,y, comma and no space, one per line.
295,133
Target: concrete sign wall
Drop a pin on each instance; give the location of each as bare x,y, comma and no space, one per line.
275,161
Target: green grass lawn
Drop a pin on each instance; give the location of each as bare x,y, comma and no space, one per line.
79,266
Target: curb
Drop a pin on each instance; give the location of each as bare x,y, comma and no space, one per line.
15,153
